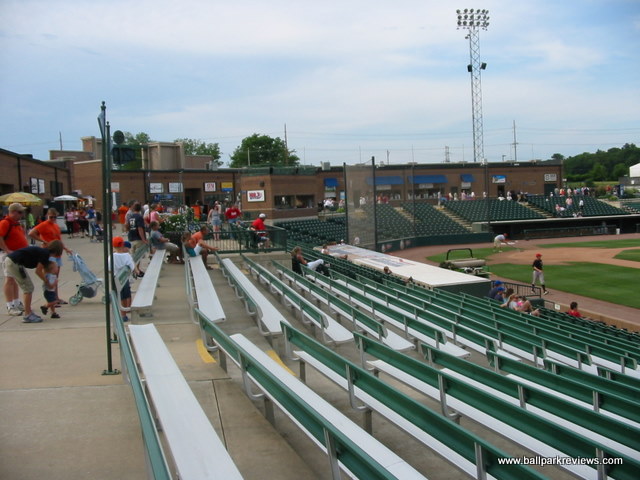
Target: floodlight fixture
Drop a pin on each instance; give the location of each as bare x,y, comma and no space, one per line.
475,20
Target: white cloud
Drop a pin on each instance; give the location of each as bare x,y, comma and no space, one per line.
342,75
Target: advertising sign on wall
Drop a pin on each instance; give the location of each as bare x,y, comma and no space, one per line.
209,186
175,187
255,195
156,188
498,179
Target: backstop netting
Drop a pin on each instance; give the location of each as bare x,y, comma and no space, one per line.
361,206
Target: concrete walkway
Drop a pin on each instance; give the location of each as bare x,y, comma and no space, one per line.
62,418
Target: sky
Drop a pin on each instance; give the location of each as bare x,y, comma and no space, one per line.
347,80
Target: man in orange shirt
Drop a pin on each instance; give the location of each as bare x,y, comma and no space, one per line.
122,214
46,232
197,211
12,238
199,245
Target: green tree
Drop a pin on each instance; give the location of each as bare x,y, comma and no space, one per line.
584,164
599,172
141,138
557,156
262,150
620,170
199,147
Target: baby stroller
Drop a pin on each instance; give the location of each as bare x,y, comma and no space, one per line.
90,283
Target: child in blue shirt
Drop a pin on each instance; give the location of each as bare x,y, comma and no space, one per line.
50,287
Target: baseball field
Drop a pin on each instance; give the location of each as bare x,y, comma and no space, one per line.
604,269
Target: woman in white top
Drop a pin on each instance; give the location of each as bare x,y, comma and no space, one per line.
215,219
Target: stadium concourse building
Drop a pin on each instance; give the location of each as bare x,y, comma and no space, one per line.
160,171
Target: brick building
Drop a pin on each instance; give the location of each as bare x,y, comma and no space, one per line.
160,171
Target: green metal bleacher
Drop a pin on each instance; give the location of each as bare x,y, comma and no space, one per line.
466,387
520,340
347,446
430,221
470,453
592,206
490,208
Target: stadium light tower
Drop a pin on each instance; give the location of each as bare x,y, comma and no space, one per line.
475,20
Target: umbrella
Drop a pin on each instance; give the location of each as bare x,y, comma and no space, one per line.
20,197
66,198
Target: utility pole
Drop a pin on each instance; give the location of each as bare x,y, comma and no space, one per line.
286,146
515,144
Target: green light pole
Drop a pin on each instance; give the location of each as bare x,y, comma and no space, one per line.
105,132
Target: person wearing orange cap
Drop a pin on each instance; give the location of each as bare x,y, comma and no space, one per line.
123,259
538,274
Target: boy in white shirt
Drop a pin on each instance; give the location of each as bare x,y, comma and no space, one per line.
123,259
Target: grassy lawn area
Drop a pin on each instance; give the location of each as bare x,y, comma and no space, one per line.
633,255
595,244
605,282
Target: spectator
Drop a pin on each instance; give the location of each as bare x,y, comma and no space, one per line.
30,221
12,237
50,287
297,260
15,265
260,229
83,222
510,299
91,218
70,218
47,232
573,310
496,285
197,210
232,214
158,242
199,246
122,259
136,235
154,213
214,218
122,214
499,295
524,305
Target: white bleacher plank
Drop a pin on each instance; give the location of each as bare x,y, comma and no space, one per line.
269,315
609,442
197,450
391,415
331,329
571,399
385,457
146,291
392,339
479,416
206,296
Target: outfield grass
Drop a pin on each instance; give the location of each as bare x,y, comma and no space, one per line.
633,255
595,244
609,283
